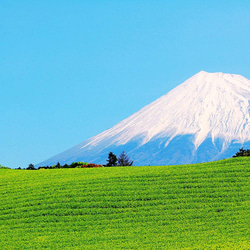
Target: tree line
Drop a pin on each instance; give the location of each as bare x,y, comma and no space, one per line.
112,161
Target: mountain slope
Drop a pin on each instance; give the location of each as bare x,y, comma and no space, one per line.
204,118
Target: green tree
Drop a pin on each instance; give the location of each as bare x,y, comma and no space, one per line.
31,167
123,160
242,152
58,165
112,160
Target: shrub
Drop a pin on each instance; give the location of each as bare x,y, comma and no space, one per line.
3,167
78,164
91,165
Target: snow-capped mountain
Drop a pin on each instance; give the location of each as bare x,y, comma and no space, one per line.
205,118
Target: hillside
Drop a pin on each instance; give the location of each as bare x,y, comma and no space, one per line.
200,206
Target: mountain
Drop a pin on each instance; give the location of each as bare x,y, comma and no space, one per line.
203,119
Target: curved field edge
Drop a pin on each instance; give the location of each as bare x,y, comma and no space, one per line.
200,206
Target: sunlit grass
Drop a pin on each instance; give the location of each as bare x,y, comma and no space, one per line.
201,206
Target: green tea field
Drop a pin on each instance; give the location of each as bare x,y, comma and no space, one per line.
200,206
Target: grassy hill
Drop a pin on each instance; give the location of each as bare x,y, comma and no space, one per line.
201,206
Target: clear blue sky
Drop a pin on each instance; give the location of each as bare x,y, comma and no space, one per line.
72,69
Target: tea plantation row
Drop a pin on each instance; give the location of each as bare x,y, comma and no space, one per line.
201,206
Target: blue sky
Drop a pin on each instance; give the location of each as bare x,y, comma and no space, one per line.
72,69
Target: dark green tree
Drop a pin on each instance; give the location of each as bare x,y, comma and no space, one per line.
112,160
58,165
242,152
31,167
123,160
